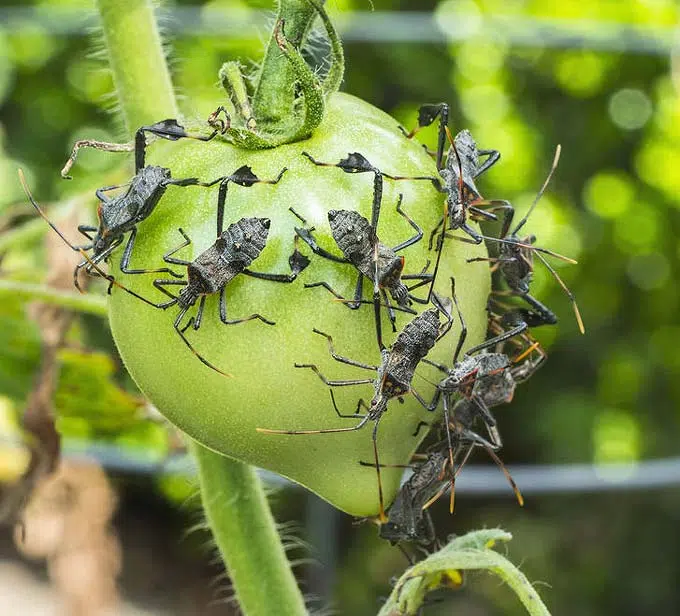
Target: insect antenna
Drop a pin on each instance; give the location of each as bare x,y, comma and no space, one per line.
181,331
535,346
506,472
522,222
27,190
570,295
463,326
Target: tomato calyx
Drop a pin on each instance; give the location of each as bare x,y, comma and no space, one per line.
289,99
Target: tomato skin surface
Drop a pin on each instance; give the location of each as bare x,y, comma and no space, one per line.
266,389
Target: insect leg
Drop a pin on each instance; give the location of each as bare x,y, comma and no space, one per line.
243,176
350,303
498,204
100,192
556,276
343,383
449,444
428,114
297,263
168,258
500,338
390,310
540,315
199,313
475,439
161,284
433,233
381,513
127,253
355,415
360,425
419,232
341,358
493,157
92,143
166,129
223,313
180,332
86,230
306,236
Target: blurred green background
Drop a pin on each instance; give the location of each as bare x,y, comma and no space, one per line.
599,78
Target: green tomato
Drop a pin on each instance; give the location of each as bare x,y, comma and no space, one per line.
266,390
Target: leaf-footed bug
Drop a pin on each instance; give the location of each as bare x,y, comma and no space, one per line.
393,379
483,379
87,259
516,265
209,273
459,172
358,241
408,519
123,213
361,247
490,389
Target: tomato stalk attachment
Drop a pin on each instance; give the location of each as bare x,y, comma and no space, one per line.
289,98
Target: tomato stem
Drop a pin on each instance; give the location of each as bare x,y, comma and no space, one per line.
236,509
140,73
289,99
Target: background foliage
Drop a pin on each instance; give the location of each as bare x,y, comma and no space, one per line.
523,76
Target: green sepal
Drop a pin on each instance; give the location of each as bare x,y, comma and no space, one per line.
255,133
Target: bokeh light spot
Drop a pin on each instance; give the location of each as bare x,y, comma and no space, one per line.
580,73
33,47
638,231
630,109
616,437
479,60
620,377
484,104
609,194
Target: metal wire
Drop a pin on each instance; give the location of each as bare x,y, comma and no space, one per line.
377,26
475,479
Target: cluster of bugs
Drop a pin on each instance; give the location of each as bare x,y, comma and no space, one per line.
468,387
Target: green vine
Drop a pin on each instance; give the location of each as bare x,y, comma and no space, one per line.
444,568
91,304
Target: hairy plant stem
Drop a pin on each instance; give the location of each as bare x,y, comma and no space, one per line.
243,528
136,57
274,96
236,507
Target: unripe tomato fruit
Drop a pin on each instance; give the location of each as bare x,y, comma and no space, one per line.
266,389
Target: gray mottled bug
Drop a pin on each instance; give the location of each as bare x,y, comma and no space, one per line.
209,273
122,213
381,264
408,517
360,245
515,262
462,167
393,378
